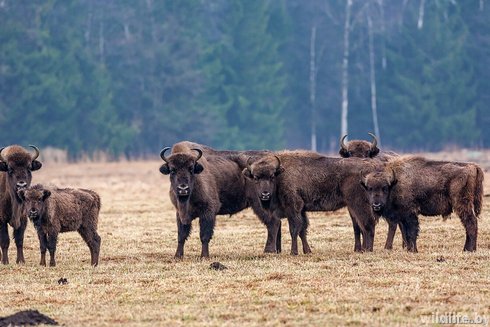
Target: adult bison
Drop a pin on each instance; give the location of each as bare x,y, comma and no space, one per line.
273,223
291,183
411,185
201,186
16,165
365,149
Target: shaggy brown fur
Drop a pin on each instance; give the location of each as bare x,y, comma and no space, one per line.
273,223
294,182
365,149
202,187
411,185
55,211
16,165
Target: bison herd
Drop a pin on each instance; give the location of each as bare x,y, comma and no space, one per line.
205,182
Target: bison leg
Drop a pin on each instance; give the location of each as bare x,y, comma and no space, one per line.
295,226
19,240
357,235
43,241
92,239
273,229
4,243
278,238
470,224
183,232
52,239
368,237
410,227
391,235
206,230
303,232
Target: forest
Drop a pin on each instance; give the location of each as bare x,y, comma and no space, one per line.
129,77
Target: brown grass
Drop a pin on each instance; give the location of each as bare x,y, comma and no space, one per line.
139,283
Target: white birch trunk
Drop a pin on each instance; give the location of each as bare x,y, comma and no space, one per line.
420,22
345,71
313,88
372,76
383,33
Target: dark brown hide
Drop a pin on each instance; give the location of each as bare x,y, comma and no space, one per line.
294,182
16,165
55,211
411,185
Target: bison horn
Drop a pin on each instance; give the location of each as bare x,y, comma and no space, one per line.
37,152
278,162
375,141
342,144
162,153
199,153
249,162
1,158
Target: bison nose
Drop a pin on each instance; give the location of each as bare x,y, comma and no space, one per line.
21,184
265,195
377,206
183,189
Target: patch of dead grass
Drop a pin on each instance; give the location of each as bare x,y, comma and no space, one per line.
139,283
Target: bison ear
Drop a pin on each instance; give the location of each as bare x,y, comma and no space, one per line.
46,194
164,169
36,165
4,166
198,168
246,172
344,153
22,195
279,170
373,152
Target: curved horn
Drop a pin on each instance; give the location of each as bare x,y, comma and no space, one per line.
278,162
1,158
37,152
393,176
162,153
375,141
249,163
342,144
199,155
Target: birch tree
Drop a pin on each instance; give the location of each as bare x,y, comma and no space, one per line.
345,70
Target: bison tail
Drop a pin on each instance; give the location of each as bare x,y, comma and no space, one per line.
478,191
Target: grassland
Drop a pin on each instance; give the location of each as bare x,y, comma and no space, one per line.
139,283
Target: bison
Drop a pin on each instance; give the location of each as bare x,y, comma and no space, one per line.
410,185
59,210
365,149
16,165
201,186
290,183
273,223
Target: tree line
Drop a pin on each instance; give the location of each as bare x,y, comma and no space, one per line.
129,77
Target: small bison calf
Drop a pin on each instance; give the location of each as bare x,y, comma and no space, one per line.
62,210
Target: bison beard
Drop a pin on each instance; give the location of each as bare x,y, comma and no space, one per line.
410,185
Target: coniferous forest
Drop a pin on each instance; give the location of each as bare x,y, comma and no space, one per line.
129,77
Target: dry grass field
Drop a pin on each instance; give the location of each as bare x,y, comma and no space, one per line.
138,282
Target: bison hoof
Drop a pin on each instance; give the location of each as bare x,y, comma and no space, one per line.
269,250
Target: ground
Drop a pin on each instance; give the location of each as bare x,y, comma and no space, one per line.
138,282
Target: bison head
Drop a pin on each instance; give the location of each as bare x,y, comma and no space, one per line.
359,148
263,175
33,199
378,186
18,164
182,168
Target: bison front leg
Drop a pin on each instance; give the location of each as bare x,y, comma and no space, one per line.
19,240
273,233
391,235
183,232
43,241
4,242
357,235
206,230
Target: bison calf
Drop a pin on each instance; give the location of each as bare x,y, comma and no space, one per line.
62,210
410,185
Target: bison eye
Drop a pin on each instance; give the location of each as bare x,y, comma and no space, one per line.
385,189
370,189
172,171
